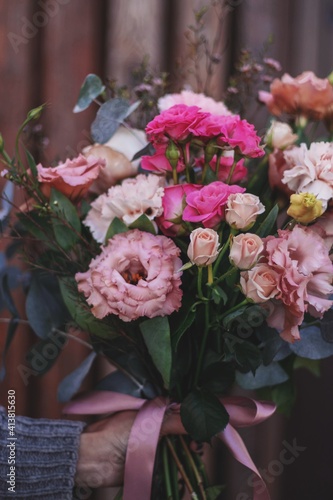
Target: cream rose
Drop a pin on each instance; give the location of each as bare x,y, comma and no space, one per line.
242,210
280,135
245,250
260,283
204,246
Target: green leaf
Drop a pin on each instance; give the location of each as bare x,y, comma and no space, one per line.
156,334
91,88
72,383
214,492
144,224
312,365
203,415
109,116
81,313
283,395
117,226
219,295
183,320
66,223
267,225
31,163
44,353
232,316
37,225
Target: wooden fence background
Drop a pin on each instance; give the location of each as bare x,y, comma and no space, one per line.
47,47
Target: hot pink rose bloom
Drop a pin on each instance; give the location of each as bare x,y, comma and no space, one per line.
226,162
173,203
306,95
176,123
231,131
72,178
306,272
310,170
242,210
190,98
136,275
245,250
207,205
127,201
159,163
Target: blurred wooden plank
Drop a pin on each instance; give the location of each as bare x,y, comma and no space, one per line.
134,31
72,46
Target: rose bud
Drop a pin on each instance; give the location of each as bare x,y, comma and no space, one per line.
260,283
204,246
245,250
305,207
280,135
242,210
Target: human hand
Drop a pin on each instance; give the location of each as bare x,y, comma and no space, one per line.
103,447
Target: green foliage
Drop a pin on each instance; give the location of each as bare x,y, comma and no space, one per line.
91,88
117,226
66,222
109,116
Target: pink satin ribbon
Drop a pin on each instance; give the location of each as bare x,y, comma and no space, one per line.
144,435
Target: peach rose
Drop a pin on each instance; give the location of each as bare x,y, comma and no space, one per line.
306,95
260,283
242,210
204,246
72,178
245,250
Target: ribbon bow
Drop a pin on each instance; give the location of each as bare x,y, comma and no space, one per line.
144,435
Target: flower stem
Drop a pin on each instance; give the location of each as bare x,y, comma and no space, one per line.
194,467
221,254
199,283
203,345
225,275
181,470
167,472
210,274
235,308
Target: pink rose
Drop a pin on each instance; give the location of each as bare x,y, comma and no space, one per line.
207,205
277,164
204,246
260,283
176,123
242,210
72,178
159,163
280,135
306,95
136,275
245,250
173,203
231,131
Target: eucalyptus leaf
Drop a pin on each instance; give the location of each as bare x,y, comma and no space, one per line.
44,305
156,334
203,415
117,381
45,352
66,222
7,199
109,116
91,88
312,345
272,374
6,295
70,385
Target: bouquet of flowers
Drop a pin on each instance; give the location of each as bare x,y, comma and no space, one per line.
176,249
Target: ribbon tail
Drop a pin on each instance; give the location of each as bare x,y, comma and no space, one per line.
238,449
141,450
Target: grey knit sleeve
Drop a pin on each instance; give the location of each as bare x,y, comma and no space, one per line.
43,453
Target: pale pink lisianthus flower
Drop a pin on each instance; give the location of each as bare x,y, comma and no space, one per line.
301,259
310,170
72,178
127,201
207,205
190,98
136,275
324,227
305,95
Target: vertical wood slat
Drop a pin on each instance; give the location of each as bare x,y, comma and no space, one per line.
134,31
